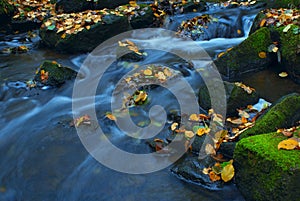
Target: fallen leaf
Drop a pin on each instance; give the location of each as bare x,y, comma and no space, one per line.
111,116
194,117
227,172
148,72
283,74
262,55
288,144
174,126
262,22
189,134
209,149
214,177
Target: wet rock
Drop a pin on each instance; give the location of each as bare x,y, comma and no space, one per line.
288,44
144,18
227,149
71,6
6,12
249,56
236,97
283,114
262,172
195,7
86,40
190,169
281,4
51,73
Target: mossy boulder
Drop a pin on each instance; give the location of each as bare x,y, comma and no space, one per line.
50,73
236,97
71,6
6,12
249,56
284,114
288,44
263,173
86,40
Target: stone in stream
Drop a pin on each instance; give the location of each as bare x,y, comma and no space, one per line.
50,73
263,173
72,6
249,56
288,43
236,97
6,12
190,169
103,25
283,114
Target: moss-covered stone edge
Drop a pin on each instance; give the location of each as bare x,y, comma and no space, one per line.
273,170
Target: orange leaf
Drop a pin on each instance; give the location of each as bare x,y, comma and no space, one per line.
111,117
262,55
214,177
262,22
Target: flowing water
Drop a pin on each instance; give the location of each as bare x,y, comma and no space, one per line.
42,157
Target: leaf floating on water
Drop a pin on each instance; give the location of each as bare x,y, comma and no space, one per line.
289,144
82,120
111,116
283,74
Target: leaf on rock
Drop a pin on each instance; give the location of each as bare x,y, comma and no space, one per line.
283,74
174,126
214,177
227,172
189,134
111,116
209,149
262,55
289,144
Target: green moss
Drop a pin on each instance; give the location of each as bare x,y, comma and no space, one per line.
5,7
57,74
289,42
281,3
265,173
245,58
266,147
281,115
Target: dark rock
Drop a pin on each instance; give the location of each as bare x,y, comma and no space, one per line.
56,74
236,97
227,149
245,57
144,18
288,44
283,114
195,7
6,12
281,4
71,6
190,169
86,40
263,173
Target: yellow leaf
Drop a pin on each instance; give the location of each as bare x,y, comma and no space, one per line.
221,54
262,55
167,72
288,144
142,96
283,74
111,117
239,31
63,36
132,3
174,126
189,134
88,27
227,173
194,117
202,131
148,72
